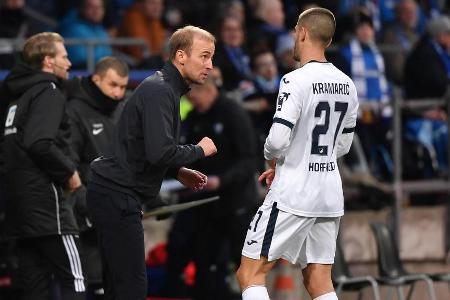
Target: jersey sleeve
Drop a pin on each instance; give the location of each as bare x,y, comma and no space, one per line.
287,112
345,139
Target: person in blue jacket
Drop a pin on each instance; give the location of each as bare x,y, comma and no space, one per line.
85,23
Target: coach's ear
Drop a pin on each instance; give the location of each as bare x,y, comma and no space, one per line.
181,56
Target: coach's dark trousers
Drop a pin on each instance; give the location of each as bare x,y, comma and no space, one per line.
118,219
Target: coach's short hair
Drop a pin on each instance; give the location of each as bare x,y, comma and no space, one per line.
111,62
183,38
38,46
320,23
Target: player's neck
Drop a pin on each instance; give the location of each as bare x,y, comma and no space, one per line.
313,54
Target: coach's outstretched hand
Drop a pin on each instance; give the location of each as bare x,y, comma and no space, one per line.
192,179
208,146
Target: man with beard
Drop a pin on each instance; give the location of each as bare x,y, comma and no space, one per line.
39,173
94,106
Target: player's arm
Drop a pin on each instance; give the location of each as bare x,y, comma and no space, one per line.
287,112
344,140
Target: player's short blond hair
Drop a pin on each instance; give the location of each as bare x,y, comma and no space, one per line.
183,38
320,24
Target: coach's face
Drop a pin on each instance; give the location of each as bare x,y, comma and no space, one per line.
198,64
60,63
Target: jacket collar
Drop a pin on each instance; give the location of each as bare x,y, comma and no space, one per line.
96,98
172,75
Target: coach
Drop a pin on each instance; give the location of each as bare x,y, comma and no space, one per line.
39,171
145,149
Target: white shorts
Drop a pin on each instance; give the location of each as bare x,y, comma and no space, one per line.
301,240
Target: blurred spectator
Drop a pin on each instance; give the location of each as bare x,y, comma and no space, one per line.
362,61
381,11
144,20
427,75
202,13
115,9
155,62
236,9
285,54
85,23
293,8
93,108
267,26
428,66
231,56
15,22
261,104
402,34
211,234
428,9
431,8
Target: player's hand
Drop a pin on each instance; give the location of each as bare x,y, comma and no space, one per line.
208,146
192,179
272,163
267,176
73,183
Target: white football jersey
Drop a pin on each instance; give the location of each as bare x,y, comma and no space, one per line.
313,125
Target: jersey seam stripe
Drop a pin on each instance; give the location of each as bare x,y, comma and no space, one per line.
284,122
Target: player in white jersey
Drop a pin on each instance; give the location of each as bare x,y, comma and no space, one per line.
313,125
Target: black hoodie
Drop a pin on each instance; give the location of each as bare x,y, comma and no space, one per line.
36,155
93,116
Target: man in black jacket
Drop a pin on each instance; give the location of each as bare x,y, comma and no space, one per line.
145,148
213,235
94,105
427,69
39,172
427,75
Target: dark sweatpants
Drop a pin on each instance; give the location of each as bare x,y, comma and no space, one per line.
41,258
117,218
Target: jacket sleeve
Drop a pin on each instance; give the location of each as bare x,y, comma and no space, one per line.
39,134
76,135
244,144
161,147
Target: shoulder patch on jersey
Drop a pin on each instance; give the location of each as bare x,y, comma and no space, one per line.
53,85
285,81
281,99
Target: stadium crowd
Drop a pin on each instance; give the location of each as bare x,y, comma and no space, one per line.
385,46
